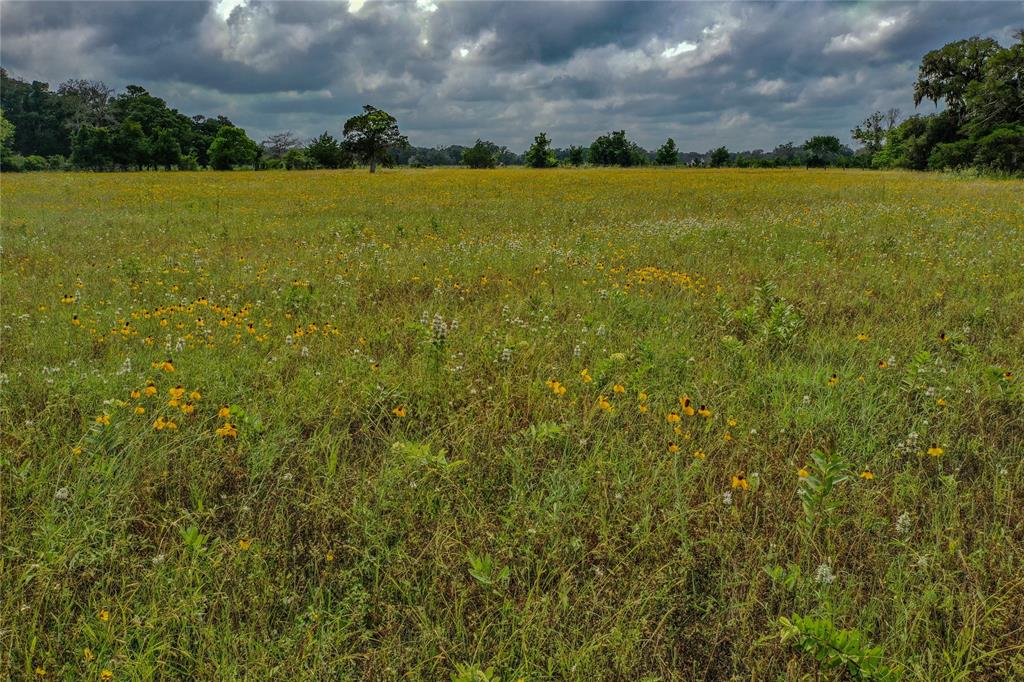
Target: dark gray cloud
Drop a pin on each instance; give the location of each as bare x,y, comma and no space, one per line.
744,75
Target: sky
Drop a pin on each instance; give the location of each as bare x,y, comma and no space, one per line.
744,75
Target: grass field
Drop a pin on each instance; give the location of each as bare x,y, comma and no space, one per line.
437,423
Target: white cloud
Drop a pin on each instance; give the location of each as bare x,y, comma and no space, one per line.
681,48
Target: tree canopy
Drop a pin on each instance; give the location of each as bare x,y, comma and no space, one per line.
372,135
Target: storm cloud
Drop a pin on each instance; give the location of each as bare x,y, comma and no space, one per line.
744,75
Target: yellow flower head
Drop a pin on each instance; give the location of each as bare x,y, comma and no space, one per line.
244,543
935,450
867,474
586,376
106,674
803,473
618,388
740,481
672,418
673,448
227,430
103,420
700,454
704,411
224,412
833,380
399,411
103,615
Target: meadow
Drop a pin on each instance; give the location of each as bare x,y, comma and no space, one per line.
637,424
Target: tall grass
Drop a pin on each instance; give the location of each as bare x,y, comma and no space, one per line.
438,425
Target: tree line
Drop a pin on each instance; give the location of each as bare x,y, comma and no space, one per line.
86,125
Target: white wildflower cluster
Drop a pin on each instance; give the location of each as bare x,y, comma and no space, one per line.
903,523
910,445
824,575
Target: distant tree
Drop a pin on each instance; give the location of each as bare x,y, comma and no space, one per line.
279,144
614,149
719,157
540,155
87,102
165,150
202,132
296,159
372,135
481,155
327,152
6,133
668,154
822,150
577,156
232,147
946,73
129,145
92,148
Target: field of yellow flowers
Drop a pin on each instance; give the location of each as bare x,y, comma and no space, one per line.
570,424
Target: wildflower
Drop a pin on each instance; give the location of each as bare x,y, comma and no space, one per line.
586,376
862,337
67,298
867,475
642,409
103,615
943,338
803,473
176,392
618,388
740,481
136,393
62,493
76,450
150,389
673,448
40,671
194,396
556,387
329,556
103,420
903,523
704,412
170,426
227,430
244,543
224,412
139,409
399,411
824,575
188,408
700,454
935,450
159,424
731,422
642,397
173,402
882,364
673,418
1007,376
75,321
941,402
603,403
87,655
106,674
727,498
167,365
833,380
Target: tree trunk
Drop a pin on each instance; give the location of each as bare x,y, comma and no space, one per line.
373,164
